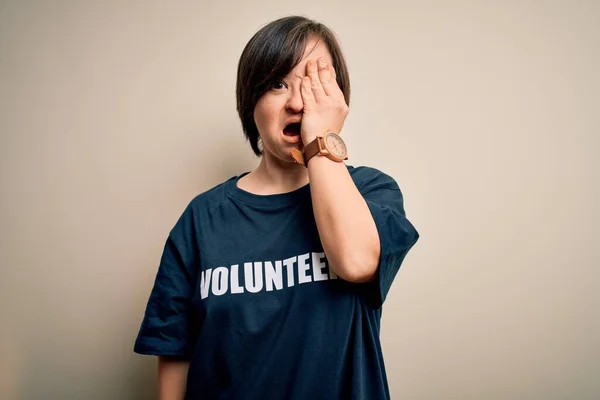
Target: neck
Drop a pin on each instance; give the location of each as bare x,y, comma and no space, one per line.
274,176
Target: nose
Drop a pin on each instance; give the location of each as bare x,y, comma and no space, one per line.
294,102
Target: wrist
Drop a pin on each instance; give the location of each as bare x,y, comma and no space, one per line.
309,138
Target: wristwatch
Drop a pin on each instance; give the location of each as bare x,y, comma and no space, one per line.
331,146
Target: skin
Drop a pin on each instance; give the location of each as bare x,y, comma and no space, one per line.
310,92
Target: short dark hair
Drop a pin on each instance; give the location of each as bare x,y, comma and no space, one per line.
270,55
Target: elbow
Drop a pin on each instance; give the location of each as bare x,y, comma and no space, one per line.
360,276
360,265
359,269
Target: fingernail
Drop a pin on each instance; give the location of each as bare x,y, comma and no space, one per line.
322,64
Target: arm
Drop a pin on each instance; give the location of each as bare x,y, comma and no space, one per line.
172,377
168,328
346,227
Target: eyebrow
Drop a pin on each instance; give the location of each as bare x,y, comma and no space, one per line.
297,76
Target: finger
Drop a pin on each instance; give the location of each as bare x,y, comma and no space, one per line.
315,82
335,91
325,77
308,97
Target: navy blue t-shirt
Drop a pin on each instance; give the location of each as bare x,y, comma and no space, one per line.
244,292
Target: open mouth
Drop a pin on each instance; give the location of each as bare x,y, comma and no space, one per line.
292,129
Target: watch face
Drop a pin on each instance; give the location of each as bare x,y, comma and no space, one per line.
335,145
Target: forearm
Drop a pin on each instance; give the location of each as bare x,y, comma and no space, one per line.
172,377
346,227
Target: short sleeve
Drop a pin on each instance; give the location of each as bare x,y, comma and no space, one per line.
168,327
396,233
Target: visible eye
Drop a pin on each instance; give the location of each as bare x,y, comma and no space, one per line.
278,85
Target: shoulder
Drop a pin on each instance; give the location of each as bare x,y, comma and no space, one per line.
368,179
212,196
209,199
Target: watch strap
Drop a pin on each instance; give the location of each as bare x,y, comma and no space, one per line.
312,149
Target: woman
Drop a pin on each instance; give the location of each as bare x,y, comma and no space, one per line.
271,283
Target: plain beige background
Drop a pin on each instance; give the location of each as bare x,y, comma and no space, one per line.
113,115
